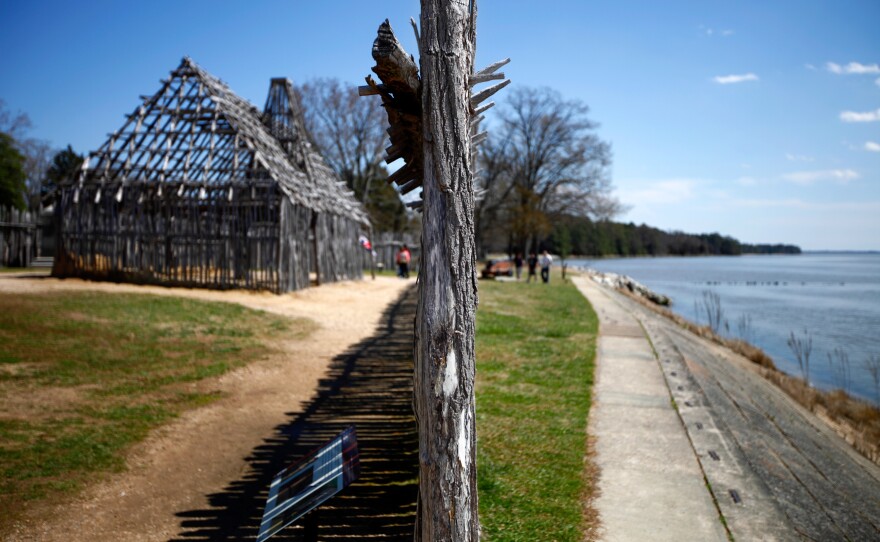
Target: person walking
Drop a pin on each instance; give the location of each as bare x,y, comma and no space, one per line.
546,262
517,265
403,258
533,264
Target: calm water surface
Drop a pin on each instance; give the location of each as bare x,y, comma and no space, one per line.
834,297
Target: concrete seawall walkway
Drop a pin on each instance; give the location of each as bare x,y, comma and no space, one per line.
651,486
688,434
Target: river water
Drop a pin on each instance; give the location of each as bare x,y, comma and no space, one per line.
834,298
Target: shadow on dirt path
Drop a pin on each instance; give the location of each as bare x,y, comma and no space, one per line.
369,386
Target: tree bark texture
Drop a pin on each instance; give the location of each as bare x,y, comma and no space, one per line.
444,342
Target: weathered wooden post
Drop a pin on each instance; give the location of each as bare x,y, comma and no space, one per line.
434,123
444,341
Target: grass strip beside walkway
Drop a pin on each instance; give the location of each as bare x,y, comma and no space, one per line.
536,348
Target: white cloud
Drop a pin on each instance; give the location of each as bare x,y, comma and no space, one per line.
853,68
665,192
746,181
791,202
709,31
872,146
798,158
810,67
871,207
728,79
842,176
854,116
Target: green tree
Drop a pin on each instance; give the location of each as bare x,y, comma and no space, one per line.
12,175
65,167
35,152
387,212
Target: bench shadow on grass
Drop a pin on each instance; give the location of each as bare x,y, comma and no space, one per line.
369,386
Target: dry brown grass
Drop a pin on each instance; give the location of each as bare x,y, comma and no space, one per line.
593,529
857,421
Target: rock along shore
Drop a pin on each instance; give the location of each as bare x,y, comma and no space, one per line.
623,282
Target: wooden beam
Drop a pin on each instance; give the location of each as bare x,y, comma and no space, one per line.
404,174
492,67
475,80
411,185
368,90
484,108
486,93
479,138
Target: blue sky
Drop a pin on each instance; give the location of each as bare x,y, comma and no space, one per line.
756,119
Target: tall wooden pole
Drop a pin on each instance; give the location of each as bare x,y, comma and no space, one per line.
444,338
435,128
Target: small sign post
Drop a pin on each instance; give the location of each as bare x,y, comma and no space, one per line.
309,482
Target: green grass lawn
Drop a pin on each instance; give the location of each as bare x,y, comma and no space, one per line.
85,375
33,270
535,352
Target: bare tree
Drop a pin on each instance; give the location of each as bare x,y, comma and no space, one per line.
347,130
38,157
744,327
802,347
14,124
555,163
710,307
494,187
838,360
872,365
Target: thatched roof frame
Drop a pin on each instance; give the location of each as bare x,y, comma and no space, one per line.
195,132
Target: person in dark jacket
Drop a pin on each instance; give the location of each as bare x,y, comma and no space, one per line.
533,266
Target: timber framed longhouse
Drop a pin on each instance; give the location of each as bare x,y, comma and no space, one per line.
199,188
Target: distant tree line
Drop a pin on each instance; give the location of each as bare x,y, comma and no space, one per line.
770,249
586,237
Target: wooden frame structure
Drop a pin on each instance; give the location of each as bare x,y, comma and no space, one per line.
199,188
19,237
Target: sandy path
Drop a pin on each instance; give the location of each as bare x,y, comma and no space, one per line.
179,465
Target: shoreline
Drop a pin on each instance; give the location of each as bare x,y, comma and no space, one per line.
832,299
855,420
773,469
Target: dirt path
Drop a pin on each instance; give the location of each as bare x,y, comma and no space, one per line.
179,466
